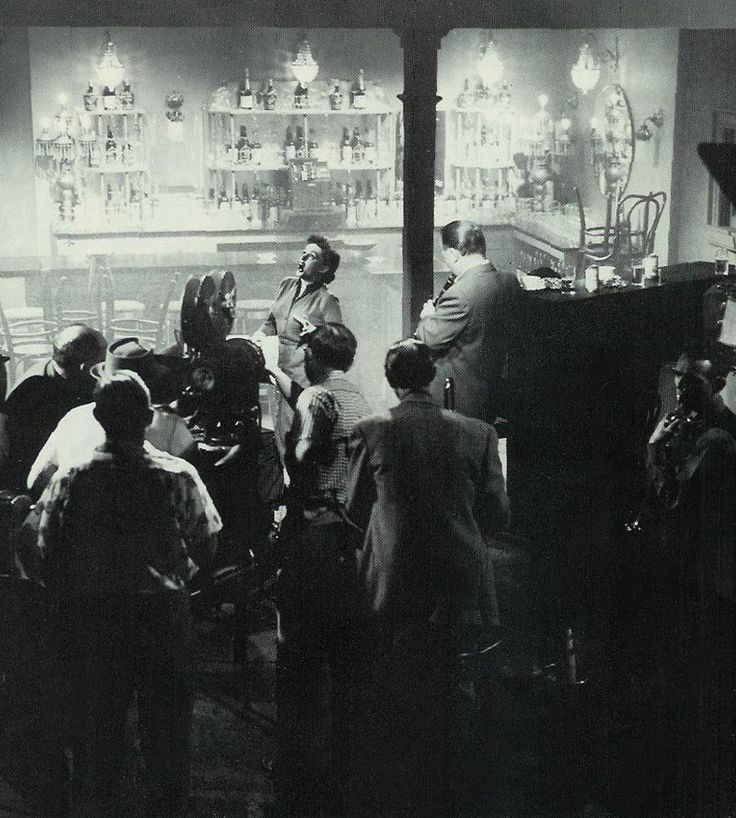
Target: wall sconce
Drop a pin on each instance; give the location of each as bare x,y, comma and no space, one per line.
175,116
304,66
109,68
490,66
645,132
587,70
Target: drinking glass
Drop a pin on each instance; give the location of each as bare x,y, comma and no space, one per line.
567,275
637,273
721,264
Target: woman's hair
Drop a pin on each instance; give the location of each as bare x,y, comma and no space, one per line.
409,365
329,256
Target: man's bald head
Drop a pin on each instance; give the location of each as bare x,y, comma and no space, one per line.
78,347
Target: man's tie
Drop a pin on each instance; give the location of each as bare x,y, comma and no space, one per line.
446,286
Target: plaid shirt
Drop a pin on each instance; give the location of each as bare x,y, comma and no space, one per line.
122,523
326,414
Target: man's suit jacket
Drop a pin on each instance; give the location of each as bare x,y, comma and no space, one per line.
426,486
469,335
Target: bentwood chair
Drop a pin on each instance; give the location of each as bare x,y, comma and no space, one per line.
596,244
153,333
26,343
638,219
64,315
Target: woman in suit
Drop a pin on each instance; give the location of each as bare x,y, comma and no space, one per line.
302,302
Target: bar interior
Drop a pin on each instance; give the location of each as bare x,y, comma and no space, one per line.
167,178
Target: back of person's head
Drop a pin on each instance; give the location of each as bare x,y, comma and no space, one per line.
123,406
409,365
333,346
78,346
330,257
465,237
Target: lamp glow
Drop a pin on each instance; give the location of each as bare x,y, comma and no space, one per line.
565,124
109,68
490,66
587,70
543,99
304,66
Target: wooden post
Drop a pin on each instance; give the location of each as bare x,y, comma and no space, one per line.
420,100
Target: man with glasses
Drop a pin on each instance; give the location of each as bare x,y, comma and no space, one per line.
468,326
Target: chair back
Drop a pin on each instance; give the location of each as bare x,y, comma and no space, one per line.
25,341
639,216
599,243
64,316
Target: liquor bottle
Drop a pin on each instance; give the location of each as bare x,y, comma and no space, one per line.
245,99
289,146
126,97
91,98
243,146
464,97
111,148
369,150
481,92
359,203
273,206
270,97
346,151
245,201
301,146
312,147
358,98
301,96
109,100
336,97
256,150
371,201
356,146
255,209
222,197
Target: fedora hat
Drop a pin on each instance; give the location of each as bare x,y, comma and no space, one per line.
132,355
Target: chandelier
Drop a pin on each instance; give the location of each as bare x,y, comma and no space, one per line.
304,66
490,66
109,68
587,70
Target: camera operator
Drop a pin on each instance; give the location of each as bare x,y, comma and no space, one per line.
692,469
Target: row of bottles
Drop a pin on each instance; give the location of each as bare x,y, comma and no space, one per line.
111,99
268,98
354,148
482,146
480,95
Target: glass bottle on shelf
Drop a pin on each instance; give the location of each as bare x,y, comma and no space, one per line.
243,146
256,150
312,147
300,150
289,146
301,96
91,98
110,148
336,96
126,97
270,97
369,150
359,100
109,100
245,98
356,146
346,151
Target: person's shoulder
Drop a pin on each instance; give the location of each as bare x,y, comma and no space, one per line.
83,414
473,426
31,387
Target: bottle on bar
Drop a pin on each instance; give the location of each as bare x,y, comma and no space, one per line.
346,151
300,145
336,96
109,100
256,150
358,98
270,97
111,148
126,97
245,98
356,146
289,146
91,98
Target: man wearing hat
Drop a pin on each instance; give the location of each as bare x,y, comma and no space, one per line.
46,393
78,432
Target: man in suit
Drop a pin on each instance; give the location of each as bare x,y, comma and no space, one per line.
426,486
468,326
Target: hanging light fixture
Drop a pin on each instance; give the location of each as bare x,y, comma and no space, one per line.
490,66
109,68
587,70
304,66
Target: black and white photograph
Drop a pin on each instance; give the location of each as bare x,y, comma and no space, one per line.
367,409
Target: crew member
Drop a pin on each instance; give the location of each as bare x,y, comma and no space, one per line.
302,302
46,394
468,327
120,535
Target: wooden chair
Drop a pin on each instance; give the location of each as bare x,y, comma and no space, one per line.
26,342
65,316
153,333
28,313
596,244
638,218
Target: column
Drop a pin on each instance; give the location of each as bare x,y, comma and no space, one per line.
420,102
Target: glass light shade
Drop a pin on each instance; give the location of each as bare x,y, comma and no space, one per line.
304,66
490,66
109,68
587,71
